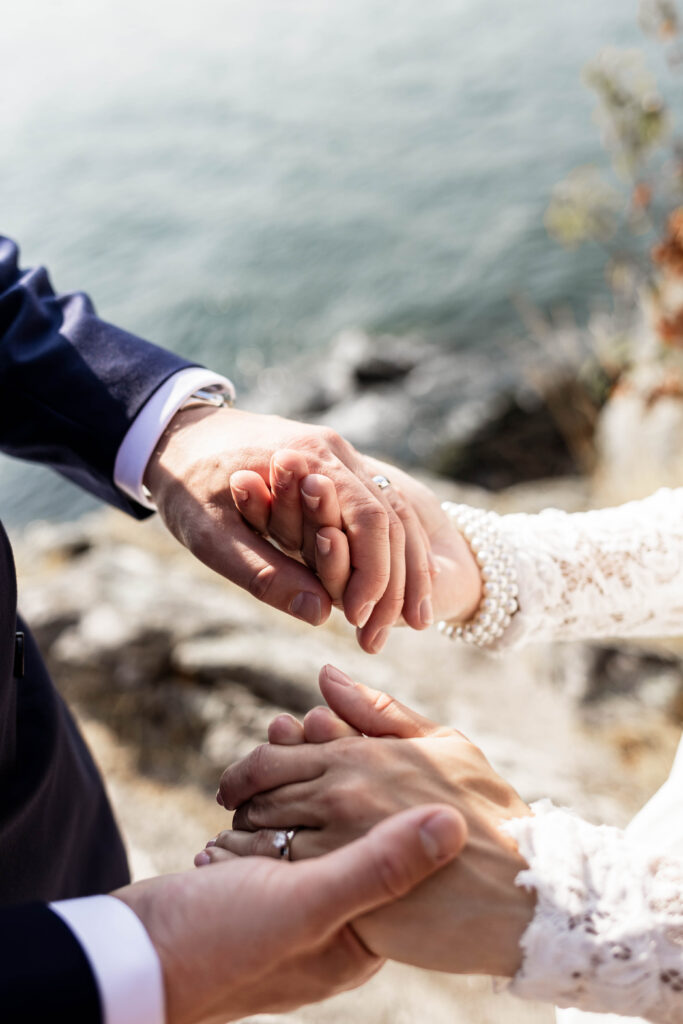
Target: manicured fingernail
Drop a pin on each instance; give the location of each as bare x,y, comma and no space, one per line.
307,607
311,501
438,836
426,612
219,799
365,613
211,842
323,544
380,640
240,495
336,676
203,858
284,476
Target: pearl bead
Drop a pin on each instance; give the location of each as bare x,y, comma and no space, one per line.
497,566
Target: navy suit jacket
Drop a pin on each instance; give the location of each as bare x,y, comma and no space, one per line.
70,387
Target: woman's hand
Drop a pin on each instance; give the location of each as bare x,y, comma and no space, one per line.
440,575
467,919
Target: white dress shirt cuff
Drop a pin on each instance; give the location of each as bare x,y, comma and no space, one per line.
124,962
149,424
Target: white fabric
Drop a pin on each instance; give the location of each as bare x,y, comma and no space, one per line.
607,934
658,826
607,573
123,960
149,424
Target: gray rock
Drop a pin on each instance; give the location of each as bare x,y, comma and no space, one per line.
266,664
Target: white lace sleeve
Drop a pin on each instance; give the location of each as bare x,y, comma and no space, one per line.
607,932
612,572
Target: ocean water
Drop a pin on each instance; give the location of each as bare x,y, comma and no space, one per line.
239,181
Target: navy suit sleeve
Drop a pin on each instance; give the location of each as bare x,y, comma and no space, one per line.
70,384
45,975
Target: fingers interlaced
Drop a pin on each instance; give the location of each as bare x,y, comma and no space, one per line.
268,767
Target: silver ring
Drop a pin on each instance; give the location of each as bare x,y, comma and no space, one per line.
282,841
381,482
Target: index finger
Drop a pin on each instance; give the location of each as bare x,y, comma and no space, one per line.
232,549
270,766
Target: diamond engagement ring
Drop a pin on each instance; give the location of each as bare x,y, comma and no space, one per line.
282,841
381,482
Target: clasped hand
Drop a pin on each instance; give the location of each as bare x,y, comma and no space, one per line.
349,766
225,480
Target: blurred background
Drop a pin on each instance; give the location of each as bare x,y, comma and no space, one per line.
454,231
241,182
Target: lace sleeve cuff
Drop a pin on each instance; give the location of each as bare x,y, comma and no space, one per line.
607,933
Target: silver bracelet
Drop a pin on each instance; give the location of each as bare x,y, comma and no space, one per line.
496,561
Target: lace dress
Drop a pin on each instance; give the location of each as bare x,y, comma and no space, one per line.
607,933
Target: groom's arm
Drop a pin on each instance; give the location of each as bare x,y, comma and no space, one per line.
88,960
71,385
72,388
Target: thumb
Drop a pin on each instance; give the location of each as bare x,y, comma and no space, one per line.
371,711
384,865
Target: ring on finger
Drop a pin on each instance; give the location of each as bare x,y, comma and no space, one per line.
282,841
381,481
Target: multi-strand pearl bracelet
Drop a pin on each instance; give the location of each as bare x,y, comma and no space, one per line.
496,561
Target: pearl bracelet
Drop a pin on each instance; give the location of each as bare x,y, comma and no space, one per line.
496,560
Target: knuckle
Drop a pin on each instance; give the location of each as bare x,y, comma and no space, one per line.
255,768
373,515
341,802
261,582
329,437
385,703
397,533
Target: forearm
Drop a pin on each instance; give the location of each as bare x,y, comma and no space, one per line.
610,573
606,931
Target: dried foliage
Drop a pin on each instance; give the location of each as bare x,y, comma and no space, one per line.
644,203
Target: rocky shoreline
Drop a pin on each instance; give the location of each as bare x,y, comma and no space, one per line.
173,672
476,416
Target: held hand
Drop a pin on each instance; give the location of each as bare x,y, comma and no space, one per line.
255,935
470,917
455,577
310,516
194,480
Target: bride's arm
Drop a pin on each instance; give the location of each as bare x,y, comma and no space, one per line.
616,572
607,573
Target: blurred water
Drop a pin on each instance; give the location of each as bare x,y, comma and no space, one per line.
238,181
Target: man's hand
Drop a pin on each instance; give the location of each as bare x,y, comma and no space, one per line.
255,935
193,479
467,919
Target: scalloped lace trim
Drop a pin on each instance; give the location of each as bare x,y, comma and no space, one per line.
607,933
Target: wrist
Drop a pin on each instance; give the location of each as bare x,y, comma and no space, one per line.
162,467
495,562
517,906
